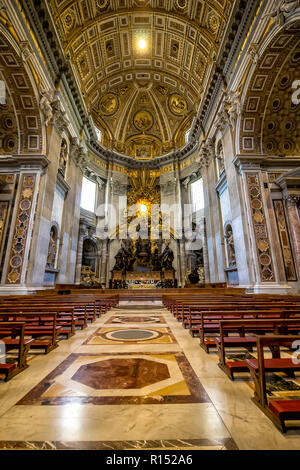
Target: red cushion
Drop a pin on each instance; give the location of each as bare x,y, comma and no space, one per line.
237,365
285,363
8,366
285,406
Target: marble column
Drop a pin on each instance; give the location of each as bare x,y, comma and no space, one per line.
294,224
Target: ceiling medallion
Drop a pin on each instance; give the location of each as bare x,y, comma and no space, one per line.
177,104
143,120
213,23
181,4
102,4
108,104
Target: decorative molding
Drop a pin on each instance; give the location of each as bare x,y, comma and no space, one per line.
285,243
262,241
21,230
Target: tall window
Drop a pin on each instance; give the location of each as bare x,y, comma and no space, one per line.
99,134
88,195
197,195
187,136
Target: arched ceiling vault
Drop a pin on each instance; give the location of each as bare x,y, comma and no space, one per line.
143,99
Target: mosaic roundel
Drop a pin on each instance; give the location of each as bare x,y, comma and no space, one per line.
143,120
109,104
132,335
16,261
265,259
25,204
256,204
177,104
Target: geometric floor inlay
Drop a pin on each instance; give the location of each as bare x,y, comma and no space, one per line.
116,379
136,319
131,335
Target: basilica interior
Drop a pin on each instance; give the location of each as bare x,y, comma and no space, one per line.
149,224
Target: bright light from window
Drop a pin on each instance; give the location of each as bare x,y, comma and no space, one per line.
142,44
197,195
99,134
88,195
143,208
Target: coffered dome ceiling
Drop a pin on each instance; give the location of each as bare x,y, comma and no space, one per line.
142,65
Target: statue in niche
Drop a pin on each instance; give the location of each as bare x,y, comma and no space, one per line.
63,158
220,158
52,249
230,247
167,257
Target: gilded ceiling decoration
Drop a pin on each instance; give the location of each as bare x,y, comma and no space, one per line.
142,65
20,123
270,119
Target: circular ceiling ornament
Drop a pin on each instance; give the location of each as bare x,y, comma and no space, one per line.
143,120
109,104
213,23
102,4
177,104
181,4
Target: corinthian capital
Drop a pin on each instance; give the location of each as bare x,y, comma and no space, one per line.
206,153
78,153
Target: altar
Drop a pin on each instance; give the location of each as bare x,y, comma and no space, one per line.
143,279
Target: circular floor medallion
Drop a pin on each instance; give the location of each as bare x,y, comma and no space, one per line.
132,335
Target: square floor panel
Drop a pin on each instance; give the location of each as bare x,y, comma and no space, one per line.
130,378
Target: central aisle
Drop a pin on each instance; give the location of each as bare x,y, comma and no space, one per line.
133,379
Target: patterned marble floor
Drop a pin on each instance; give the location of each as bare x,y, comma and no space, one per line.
135,379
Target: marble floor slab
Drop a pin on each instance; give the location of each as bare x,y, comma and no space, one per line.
137,394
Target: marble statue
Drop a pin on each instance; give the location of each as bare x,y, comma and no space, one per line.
230,247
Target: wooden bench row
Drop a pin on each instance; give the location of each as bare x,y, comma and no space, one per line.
34,323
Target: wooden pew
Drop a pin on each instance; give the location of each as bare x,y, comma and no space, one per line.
12,336
37,326
210,323
247,331
279,411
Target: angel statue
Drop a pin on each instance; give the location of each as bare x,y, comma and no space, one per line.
45,106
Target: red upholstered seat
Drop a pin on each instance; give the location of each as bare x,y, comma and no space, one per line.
10,366
237,339
282,407
283,363
237,365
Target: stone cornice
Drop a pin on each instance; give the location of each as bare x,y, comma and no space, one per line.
264,162
34,162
